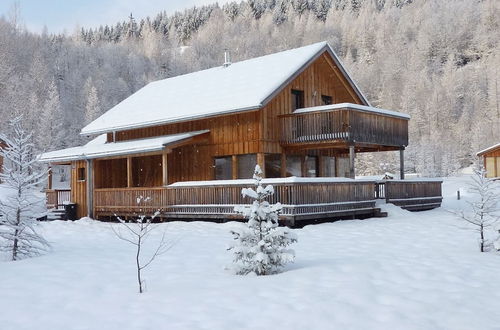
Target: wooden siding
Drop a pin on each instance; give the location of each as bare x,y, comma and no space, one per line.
79,188
491,161
322,77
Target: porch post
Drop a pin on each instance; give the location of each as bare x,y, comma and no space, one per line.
283,165
129,172
90,189
352,156
234,167
164,167
49,179
260,161
402,163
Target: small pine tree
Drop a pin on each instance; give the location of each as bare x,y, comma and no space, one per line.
17,216
482,215
261,247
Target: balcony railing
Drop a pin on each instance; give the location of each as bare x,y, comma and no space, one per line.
345,125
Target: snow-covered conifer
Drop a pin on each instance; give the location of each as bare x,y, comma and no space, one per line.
20,175
261,247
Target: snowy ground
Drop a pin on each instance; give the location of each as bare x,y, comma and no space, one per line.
408,271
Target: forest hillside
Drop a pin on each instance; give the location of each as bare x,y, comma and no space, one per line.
435,60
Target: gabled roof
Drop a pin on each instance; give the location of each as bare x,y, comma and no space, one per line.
242,86
482,152
98,147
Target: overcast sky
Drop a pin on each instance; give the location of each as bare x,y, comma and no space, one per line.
60,15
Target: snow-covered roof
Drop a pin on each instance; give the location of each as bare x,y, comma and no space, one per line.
496,146
99,148
241,86
353,106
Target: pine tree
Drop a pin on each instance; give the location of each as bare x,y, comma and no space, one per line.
261,247
18,236
92,107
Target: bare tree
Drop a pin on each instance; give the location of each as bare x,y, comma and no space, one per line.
18,211
137,232
482,215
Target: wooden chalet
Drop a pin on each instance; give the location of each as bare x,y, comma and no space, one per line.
190,143
2,145
491,159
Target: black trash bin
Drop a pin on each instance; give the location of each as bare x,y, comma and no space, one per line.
70,211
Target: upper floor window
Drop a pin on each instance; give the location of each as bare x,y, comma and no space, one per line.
297,99
223,168
326,99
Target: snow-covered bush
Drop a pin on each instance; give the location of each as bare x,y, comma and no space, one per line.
21,177
482,215
261,247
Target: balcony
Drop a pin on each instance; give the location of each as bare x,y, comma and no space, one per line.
345,124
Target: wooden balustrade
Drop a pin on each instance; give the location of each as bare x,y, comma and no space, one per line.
344,125
57,198
219,200
414,195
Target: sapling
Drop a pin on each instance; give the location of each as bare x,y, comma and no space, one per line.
482,215
137,232
261,246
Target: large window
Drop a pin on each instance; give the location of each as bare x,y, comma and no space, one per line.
311,164
297,99
223,168
343,167
328,166
273,165
293,165
147,171
246,166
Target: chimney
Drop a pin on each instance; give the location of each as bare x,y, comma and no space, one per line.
227,58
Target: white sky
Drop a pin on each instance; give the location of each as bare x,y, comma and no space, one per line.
66,15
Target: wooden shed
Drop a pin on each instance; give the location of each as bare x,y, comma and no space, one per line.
491,159
296,113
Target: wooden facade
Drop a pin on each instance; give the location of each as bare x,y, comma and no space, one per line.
316,143
491,161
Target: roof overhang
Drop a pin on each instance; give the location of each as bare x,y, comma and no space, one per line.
363,108
98,148
492,148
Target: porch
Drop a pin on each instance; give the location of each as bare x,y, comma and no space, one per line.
303,199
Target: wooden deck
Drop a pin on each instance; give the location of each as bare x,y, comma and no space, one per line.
344,126
300,200
57,198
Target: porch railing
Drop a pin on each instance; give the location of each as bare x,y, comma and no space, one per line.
56,199
414,194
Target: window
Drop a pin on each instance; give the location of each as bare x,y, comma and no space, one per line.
80,174
246,166
273,165
326,99
328,166
293,165
297,99
223,168
311,164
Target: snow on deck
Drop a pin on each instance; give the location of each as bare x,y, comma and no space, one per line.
291,179
353,106
241,86
99,148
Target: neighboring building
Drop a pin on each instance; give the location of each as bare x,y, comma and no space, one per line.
491,158
295,113
2,145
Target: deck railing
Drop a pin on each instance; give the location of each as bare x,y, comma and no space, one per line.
414,194
214,200
57,198
346,125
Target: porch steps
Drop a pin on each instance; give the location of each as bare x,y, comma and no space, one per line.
56,214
